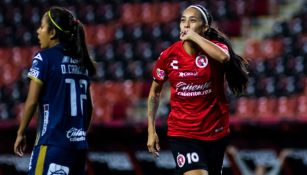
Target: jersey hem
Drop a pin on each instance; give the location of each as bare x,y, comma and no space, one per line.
35,79
211,138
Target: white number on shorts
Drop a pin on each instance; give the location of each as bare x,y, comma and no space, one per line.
192,157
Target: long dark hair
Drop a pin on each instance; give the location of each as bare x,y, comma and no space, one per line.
236,68
70,32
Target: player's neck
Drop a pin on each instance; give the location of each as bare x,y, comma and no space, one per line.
190,47
54,43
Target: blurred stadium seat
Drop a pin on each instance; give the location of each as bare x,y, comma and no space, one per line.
245,108
271,48
266,109
131,13
286,107
252,49
301,107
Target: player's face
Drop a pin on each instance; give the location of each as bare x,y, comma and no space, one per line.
191,19
44,35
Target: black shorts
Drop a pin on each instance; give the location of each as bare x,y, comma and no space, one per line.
190,154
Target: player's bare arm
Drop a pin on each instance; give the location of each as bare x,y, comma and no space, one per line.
153,104
209,47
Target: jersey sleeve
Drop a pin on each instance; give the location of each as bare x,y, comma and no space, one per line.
37,69
222,46
159,72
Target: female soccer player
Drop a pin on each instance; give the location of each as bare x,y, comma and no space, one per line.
195,67
60,88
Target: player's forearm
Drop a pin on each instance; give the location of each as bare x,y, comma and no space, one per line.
153,104
210,48
29,110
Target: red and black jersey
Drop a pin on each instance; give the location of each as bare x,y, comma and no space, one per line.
199,108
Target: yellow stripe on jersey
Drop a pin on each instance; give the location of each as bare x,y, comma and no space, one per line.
35,79
41,160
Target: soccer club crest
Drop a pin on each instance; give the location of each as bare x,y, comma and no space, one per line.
180,160
160,74
201,61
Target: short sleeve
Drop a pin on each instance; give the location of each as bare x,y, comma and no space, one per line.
222,46
36,71
159,72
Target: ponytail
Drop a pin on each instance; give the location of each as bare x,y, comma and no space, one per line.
81,48
236,68
71,34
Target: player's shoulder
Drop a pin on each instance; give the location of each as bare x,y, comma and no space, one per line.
219,43
171,49
44,54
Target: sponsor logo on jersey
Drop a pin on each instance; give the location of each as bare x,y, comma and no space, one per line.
33,73
75,135
55,169
38,56
35,65
30,162
180,160
65,59
201,61
160,73
188,74
190,89
174,64
46,118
